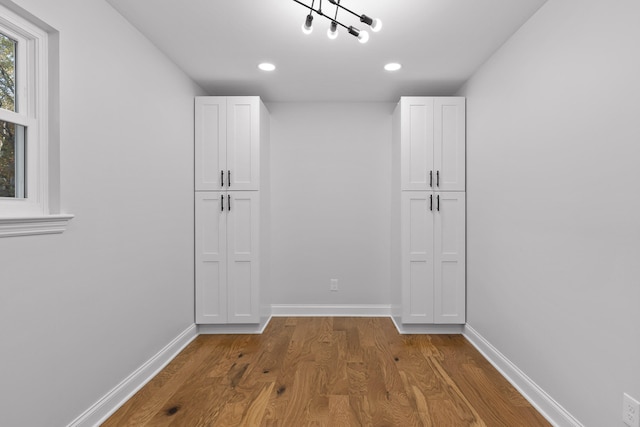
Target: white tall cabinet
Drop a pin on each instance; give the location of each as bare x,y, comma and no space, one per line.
231,213
428,228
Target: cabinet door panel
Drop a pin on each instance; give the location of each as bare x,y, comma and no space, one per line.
416,143
420,295
210,142
449,145
243,137
417,257
450,276
243,257
211,259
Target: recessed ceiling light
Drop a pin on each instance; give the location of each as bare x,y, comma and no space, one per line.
392,66
266,66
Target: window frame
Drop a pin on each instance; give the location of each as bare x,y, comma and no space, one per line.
31,214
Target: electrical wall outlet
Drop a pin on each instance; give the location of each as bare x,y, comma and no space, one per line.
333,286
630,411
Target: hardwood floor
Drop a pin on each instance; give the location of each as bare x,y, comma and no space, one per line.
328,372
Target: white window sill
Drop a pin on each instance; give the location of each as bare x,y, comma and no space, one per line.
34,225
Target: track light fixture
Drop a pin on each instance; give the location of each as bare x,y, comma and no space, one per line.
332,32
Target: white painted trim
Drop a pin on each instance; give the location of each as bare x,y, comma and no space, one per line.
29,226
418,328
113,400
237,328
33,87
328,310
539,399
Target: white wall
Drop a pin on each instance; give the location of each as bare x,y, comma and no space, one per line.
82,310
554,200
330,169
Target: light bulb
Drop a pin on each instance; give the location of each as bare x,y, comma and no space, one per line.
332,32
307,27
376,25
363,37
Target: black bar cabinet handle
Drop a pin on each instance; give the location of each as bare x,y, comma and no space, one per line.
431,179
221,203
222,178
438,178
229,178
438,203
229,202
431,202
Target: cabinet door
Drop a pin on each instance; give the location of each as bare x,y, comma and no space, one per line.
211,257
243,142
210,142
416,143
449,145
450,258
417,256
243,245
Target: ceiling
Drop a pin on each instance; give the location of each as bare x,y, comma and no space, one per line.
440,44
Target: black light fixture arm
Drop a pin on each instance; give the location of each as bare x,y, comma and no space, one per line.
363,18
363,36
319,12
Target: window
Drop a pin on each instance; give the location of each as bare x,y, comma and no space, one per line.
24,129
11,134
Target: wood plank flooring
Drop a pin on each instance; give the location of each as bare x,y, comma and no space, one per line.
329,372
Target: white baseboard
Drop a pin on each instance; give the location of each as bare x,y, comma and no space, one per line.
328,310
235,328
411,328
113,400
539,399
